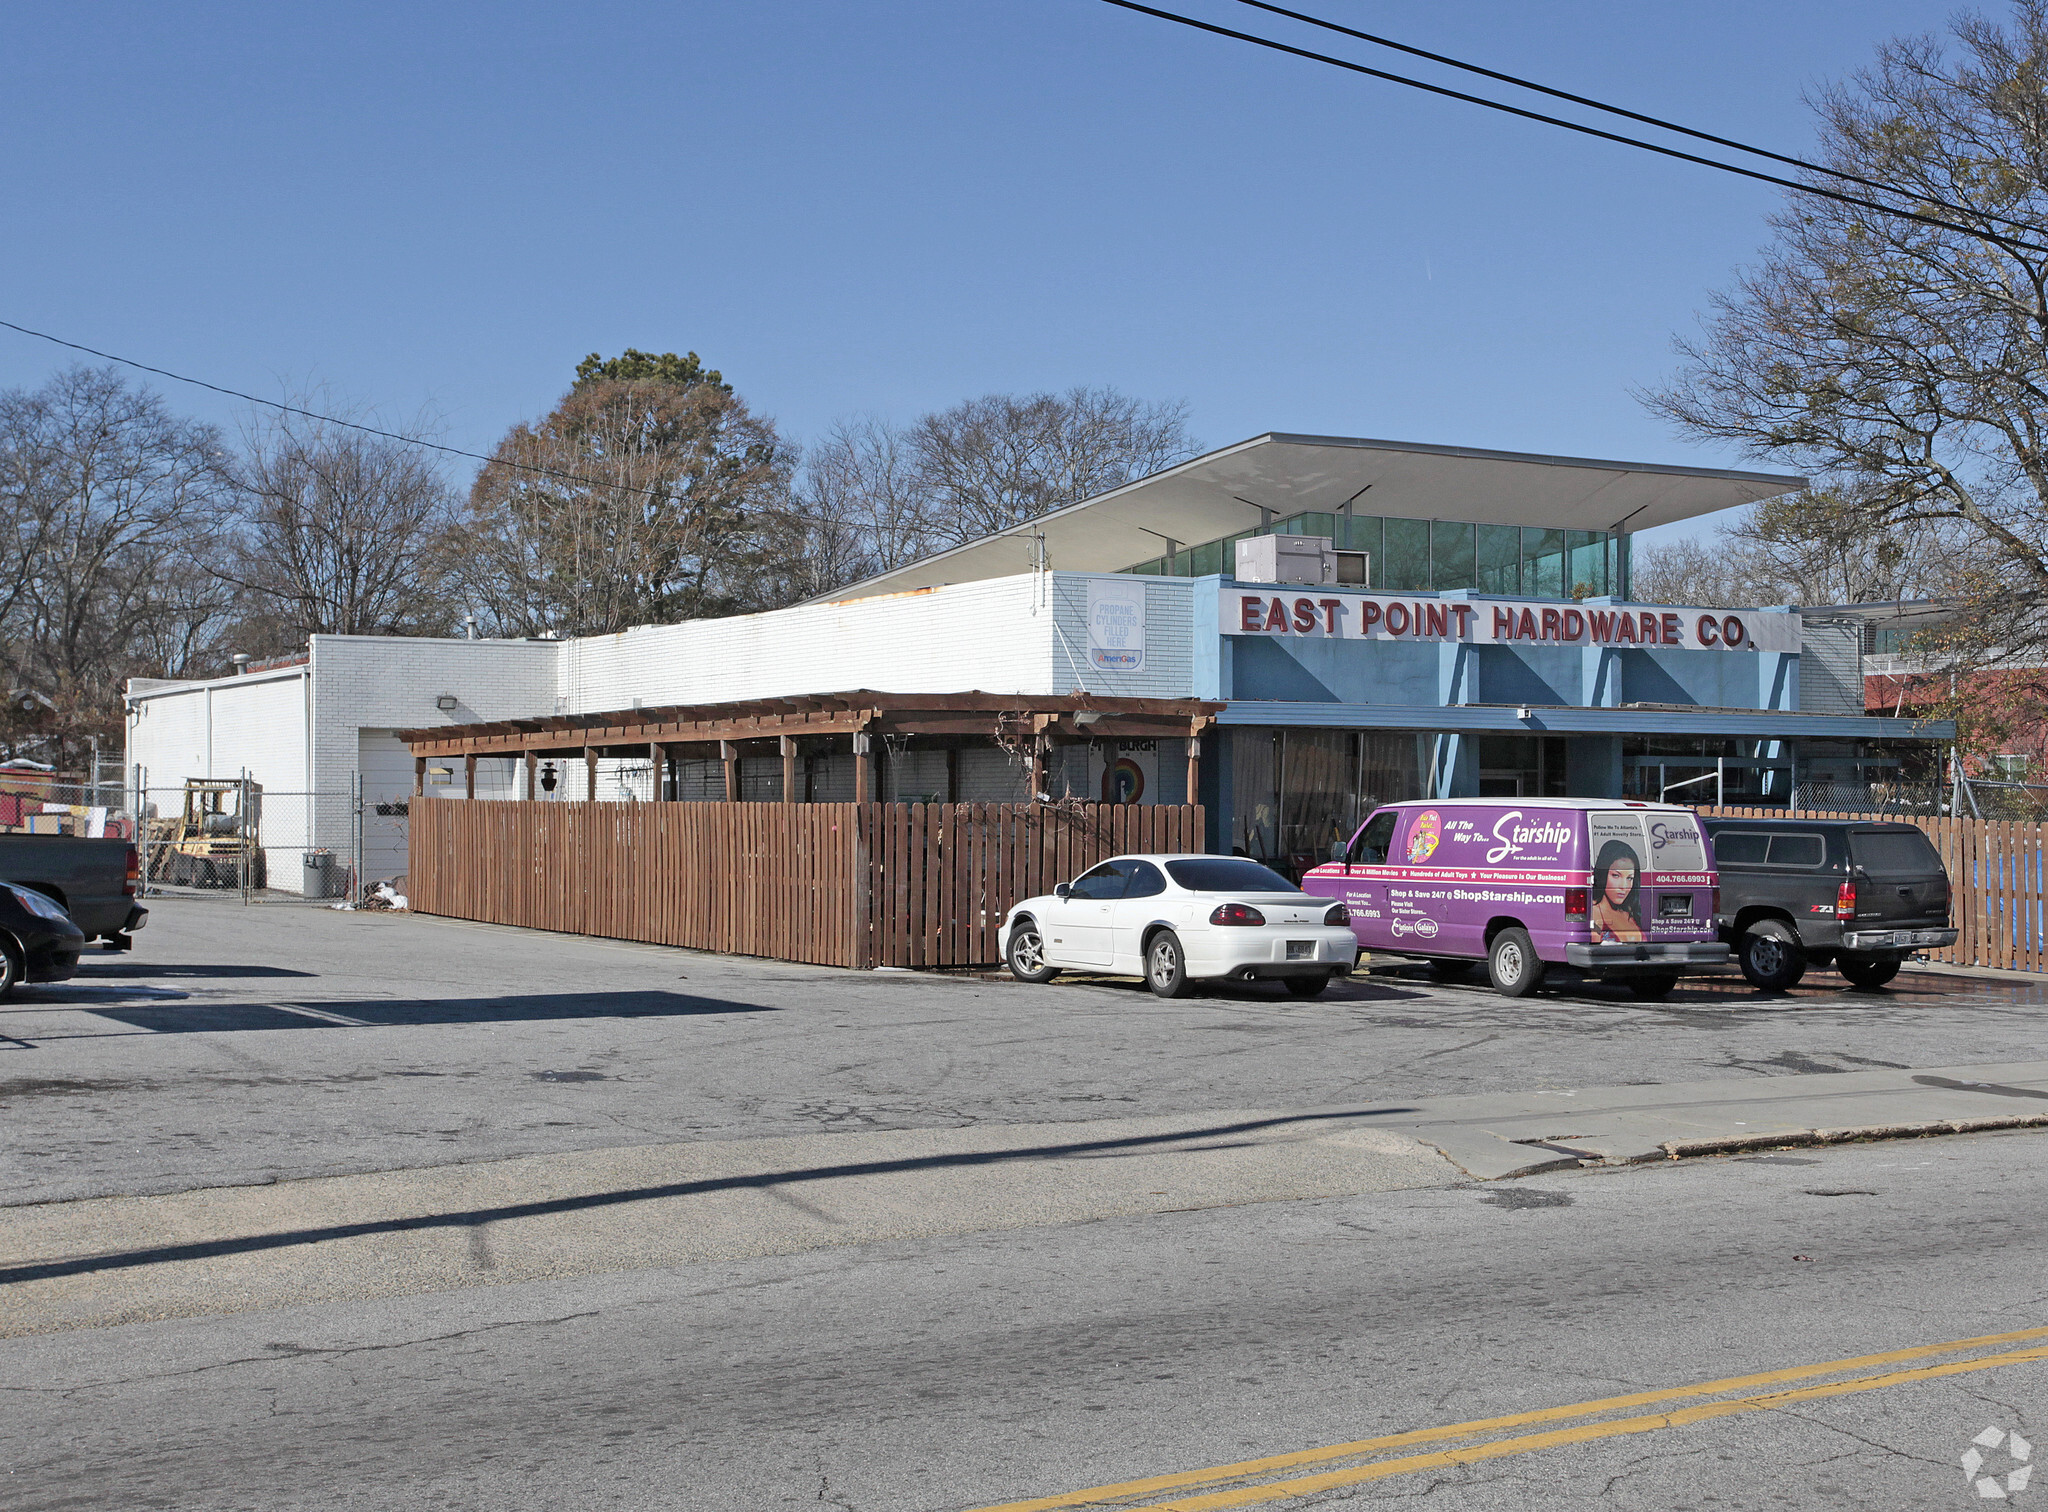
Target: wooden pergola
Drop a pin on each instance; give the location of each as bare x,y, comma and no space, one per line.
1029,723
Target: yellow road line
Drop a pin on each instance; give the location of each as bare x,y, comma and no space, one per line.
1126,1492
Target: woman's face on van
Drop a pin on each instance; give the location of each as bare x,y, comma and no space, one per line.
1621,881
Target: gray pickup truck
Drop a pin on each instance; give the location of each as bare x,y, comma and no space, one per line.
1860,895
95,880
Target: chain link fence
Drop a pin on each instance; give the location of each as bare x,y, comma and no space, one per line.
232,840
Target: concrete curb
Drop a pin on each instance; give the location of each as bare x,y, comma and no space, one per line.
1496,1137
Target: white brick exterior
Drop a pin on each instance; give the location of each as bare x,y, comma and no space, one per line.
311,729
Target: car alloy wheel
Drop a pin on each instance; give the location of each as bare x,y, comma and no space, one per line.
1027,955
1166,966
10,968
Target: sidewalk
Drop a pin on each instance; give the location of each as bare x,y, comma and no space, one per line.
1518,1133
487,1223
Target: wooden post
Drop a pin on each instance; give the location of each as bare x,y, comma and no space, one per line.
789,769
532,777
1194,769
590,774
1038,772
654,767
419,776
862,786
469,775
730,755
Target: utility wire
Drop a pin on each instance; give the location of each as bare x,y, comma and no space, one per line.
2006,242
1633,115
371,430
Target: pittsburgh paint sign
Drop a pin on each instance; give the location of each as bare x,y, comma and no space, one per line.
1284,611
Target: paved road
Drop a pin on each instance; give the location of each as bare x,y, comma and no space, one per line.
1168,1286
971,1371
241,1045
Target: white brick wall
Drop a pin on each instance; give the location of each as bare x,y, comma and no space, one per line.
307,729
991,636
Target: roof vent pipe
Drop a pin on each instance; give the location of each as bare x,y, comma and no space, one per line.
241,661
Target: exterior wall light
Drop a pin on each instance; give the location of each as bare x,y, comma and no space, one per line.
446,703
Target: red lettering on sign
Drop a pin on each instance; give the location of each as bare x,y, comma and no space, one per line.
1250,614
1550,624
1527,628
1439,621
1276,616
1368,616
1601,623
1648,622
1625,628
1706,630
1331,609
1304,614
1672,634
1461,610
1733,631
1394,626
1574,624
1503,624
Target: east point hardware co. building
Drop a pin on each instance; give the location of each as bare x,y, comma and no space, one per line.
1469,634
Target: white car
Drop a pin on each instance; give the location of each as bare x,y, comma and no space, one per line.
1176,920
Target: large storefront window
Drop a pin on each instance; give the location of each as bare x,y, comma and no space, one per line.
1437,556
1296,795
1700,769
1522,766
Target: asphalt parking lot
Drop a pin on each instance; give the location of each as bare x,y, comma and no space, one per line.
244,1045
596,1224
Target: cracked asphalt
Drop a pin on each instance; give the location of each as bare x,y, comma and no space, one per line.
965,1370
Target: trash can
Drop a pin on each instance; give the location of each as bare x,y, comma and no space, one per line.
318,873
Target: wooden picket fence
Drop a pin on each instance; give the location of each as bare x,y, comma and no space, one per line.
837,884
1995,872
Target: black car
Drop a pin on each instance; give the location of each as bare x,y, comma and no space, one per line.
1860,895
38,941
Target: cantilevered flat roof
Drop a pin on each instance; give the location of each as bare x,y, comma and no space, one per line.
1206,498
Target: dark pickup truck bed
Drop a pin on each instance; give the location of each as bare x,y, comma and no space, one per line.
1860,895
95,880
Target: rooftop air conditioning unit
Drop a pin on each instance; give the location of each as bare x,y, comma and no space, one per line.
1311,561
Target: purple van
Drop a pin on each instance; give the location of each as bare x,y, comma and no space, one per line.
1619,890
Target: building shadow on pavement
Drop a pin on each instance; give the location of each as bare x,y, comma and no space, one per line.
186,1016
207,1249
89,969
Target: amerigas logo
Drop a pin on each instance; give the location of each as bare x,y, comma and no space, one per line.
1513,832
2017,1451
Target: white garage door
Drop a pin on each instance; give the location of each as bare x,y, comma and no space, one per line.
386,766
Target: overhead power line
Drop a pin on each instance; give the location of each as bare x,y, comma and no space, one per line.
2008,242
371,430
1633,115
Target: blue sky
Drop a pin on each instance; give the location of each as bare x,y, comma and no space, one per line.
884,206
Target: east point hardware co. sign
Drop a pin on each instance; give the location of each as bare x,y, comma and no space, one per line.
1499,622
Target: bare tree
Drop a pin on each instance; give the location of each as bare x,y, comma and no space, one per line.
1906,356
1835,545
637,500
997,461
341,533
108,503
878,496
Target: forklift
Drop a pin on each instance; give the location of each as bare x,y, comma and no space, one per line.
213,842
